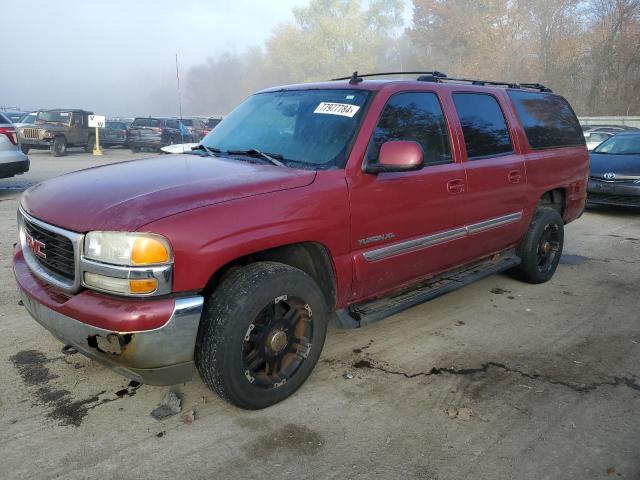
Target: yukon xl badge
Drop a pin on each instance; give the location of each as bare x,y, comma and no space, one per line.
376,238
36,246
609,176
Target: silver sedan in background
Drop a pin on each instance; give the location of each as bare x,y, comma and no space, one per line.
12,160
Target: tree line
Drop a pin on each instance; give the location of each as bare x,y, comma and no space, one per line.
586,50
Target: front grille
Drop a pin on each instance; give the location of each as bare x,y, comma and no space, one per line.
31,133
59,250
623,200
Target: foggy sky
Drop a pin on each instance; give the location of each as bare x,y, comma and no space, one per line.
117,57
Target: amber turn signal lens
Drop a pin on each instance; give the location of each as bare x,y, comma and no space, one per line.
147,251
143,286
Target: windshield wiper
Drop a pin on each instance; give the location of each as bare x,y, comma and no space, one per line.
274,158
210,151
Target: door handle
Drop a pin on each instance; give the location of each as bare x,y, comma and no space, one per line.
514,176
455,186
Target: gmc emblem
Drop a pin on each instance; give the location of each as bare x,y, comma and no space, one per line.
36,246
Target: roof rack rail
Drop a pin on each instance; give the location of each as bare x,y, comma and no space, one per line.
437,77
356,78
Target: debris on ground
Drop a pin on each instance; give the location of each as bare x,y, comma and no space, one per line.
189,417
463,413
169,406
160,434
348,376
611,471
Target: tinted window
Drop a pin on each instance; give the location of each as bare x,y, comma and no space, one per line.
417,117
116,125
212,122
4,119
146,122
483,125
172,124
548,120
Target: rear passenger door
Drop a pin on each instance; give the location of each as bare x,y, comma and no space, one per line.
407,225
496,176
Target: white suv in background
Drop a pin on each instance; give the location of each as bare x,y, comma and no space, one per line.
12,160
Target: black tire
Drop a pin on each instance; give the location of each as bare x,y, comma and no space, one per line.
541,248
135,149
91,143
238,312
59,147
24,149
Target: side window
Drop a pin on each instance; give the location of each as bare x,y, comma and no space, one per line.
172,124
547,119
483,125
77,119
413,116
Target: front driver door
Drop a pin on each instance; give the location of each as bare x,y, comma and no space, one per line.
76,130
407,225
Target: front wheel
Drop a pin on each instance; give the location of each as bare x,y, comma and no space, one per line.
541,248
91,144
59,146
261,334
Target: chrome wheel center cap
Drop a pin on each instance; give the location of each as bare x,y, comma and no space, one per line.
277,341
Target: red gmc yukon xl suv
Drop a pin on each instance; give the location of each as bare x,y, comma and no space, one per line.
348,200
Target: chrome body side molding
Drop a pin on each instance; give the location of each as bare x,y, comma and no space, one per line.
440,237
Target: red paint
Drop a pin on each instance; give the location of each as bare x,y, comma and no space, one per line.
110,313
401,154
214,211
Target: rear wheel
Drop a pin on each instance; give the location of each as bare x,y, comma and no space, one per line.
59,147
261,334
135,149
541,247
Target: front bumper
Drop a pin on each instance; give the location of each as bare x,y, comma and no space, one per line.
157,356
10,169
624,194
36,144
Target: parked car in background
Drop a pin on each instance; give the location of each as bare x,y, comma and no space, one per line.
614,171
27,119
113,134
153,133
196,128
607,128
345,200
14,116
12,160
211,124
595,138
57,130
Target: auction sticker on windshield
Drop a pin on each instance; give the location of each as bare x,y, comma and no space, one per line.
342,109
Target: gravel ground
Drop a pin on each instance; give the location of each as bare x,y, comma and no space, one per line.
498,380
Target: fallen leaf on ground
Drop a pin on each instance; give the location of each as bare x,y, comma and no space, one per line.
189,417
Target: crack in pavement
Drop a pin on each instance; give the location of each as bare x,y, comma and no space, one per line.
629,382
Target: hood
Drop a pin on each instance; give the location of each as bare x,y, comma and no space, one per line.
52,127
128,195
620,165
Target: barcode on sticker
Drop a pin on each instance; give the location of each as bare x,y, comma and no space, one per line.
343,109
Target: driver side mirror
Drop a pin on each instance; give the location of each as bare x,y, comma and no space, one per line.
398,156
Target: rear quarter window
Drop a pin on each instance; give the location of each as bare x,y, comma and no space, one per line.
548,120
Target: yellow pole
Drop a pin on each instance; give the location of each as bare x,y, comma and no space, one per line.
96,147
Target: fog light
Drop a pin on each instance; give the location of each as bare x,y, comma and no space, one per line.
120,285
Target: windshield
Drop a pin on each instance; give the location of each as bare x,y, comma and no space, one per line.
312,127
116,125
620,145
54,116
29,118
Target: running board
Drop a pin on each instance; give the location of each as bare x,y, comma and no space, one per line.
369,312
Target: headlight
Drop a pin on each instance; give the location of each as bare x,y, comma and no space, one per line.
127,249
124,263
